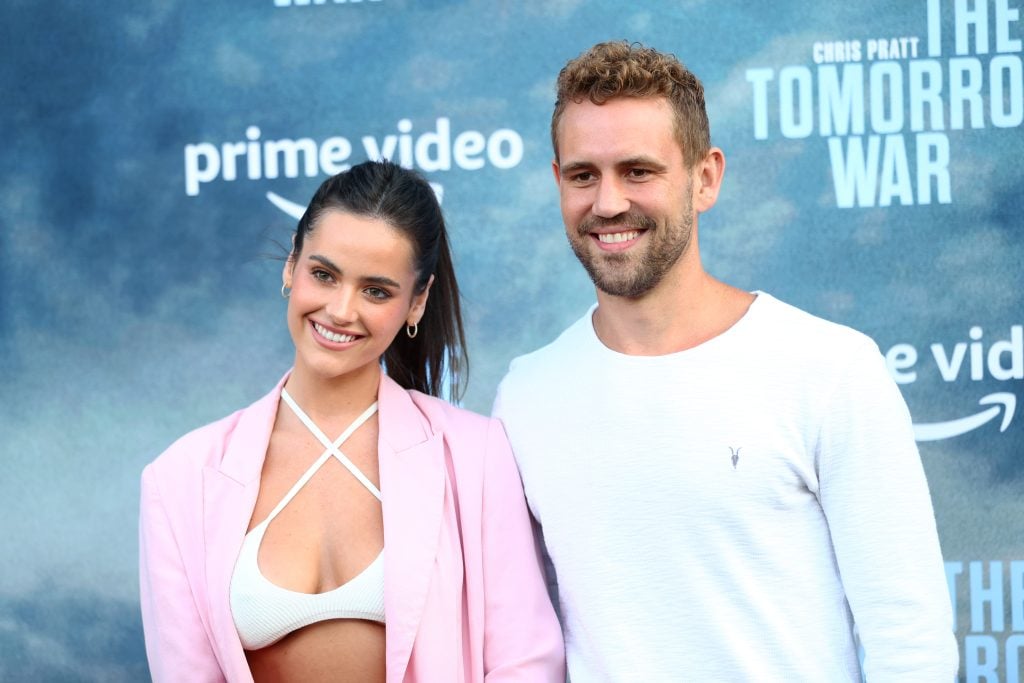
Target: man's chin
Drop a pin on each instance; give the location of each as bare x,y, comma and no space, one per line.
628,288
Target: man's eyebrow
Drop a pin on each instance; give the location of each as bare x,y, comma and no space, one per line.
642,160
573,167
373,279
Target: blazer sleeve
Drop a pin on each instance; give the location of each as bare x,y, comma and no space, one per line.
177,644
522,637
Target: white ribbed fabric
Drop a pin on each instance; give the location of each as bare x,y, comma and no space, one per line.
730,512
264,612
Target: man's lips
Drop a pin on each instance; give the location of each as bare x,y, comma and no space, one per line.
616,237
613,241
616,232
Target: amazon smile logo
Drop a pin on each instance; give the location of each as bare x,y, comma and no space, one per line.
296,210
1004,403
974,360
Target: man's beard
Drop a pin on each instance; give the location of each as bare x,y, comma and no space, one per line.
626,275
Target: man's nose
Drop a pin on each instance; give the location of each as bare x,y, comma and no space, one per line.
611,199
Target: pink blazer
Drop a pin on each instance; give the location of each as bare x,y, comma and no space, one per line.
464,595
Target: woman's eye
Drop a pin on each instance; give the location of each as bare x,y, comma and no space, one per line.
321,275
377,293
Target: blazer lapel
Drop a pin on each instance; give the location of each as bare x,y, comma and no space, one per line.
229,496
412,477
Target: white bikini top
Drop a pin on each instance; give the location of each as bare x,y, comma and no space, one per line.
264,613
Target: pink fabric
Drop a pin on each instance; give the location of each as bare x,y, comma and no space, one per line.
464,595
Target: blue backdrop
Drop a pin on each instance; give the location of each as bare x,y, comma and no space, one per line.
156,151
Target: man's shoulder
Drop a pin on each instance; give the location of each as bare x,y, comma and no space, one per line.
809,334
555,355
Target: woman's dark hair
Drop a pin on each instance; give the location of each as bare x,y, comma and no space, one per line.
404,200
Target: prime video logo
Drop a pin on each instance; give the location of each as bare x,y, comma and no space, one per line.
1002,360
432,150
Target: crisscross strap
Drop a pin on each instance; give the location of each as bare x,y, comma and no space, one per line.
330,449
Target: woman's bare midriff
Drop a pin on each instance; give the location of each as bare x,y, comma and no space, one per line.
337,650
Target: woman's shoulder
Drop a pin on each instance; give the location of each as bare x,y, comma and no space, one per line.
199,448
473,440
445,417
247,428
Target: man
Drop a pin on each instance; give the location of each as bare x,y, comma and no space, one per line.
728,487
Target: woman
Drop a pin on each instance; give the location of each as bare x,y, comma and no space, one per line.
400,550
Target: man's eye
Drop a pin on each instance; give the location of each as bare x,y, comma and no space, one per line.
584,177
638,172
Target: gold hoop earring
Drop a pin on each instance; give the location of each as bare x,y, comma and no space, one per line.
412,330
284,294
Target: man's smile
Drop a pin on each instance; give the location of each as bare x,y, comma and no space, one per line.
615,237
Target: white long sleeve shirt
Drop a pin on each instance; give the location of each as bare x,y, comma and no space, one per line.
732,512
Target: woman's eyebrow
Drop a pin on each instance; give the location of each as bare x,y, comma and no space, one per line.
375,279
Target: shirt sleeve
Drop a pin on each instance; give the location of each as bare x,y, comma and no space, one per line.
875,497
177,645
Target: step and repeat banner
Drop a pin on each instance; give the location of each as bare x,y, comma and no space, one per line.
158,152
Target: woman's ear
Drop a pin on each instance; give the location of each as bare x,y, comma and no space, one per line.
419,304
287,272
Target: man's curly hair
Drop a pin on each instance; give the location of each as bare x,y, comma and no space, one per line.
622,69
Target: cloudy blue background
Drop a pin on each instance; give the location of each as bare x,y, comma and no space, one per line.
131,312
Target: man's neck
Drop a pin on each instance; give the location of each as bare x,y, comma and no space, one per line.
681,312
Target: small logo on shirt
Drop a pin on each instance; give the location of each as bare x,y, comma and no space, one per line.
735,455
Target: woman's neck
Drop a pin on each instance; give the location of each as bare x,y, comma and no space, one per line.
330,399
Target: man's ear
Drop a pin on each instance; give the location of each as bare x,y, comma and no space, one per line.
707,176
